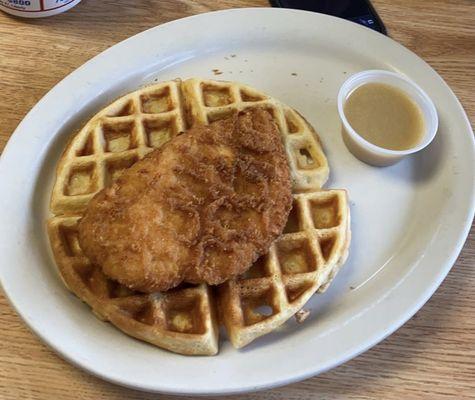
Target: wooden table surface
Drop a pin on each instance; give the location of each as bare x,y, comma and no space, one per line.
431,356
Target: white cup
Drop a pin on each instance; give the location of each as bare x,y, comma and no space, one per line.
368,152
36,8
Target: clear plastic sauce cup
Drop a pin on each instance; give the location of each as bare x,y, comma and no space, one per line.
369,152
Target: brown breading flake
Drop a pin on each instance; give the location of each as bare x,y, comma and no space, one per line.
302,315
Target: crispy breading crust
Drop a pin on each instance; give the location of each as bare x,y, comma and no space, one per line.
202,208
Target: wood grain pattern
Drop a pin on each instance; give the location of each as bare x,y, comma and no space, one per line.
432,356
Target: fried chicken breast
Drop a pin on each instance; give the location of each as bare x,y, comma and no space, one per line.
201,209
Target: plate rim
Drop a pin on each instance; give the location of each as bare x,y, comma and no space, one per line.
445,267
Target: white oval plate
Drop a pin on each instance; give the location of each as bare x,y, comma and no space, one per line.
409,221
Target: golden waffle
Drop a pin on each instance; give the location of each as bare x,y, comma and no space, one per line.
138,122
305,258
207,101
113,140
181,320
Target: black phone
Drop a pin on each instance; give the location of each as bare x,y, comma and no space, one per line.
359,11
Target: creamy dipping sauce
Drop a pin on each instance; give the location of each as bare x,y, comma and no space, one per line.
385,116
